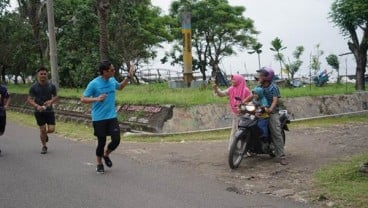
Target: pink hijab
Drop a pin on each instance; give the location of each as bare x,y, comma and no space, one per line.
238,89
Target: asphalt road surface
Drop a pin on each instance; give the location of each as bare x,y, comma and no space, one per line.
65,177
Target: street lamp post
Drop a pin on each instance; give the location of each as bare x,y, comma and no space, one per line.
346,69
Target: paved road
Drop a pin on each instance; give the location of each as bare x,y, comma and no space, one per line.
66,177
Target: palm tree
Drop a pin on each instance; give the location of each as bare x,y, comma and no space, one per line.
256,48
277,47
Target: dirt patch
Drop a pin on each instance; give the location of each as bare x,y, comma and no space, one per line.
307,150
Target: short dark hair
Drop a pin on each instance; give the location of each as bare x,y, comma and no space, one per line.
104,65
41,68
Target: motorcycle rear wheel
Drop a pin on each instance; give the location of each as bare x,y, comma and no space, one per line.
237,151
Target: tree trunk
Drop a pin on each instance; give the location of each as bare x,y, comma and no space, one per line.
102,10
360,71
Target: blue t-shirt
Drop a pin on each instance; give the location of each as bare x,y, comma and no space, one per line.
105,109
272,91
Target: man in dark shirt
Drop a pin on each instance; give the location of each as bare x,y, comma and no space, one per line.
4,105
42,95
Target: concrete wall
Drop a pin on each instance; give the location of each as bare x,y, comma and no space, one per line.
219,116
170,119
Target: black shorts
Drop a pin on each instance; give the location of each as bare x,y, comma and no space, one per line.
107,127
43,118
2,124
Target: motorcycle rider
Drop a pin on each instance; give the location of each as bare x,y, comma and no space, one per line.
265,77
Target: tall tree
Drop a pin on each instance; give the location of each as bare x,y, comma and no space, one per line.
333,61
16,56
103,7
136,31
278,47
218,29
351,16
256,48
77,41
35,12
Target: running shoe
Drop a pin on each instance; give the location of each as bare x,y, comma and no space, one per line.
107,161
100,169
44,150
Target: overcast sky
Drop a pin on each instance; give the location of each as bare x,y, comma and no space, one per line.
295,22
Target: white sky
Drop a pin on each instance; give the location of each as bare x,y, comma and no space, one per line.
295,22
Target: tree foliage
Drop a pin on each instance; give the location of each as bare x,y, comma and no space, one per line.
136,32
15,42
351,17
278,47
333,61
77,41
293,67
315,64
256,48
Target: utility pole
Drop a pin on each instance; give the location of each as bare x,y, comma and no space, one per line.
52,43
187,47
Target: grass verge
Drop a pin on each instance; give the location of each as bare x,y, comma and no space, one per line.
79,131
330,121
153,93
343,184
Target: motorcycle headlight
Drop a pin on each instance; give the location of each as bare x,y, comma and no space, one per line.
250,108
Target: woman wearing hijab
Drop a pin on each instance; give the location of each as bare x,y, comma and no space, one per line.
237,89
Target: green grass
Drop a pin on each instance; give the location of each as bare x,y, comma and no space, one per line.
79,131
74,131
343,183
160,93
330,121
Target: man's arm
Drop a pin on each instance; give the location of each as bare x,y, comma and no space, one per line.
273,105
51,101
125,82
88,100
7,103
32,102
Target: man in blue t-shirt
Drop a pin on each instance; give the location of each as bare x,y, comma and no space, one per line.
101,93
265,77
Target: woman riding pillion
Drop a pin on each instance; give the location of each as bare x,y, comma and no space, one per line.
265,77
238,89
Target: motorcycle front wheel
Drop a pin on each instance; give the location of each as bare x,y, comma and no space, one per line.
237,151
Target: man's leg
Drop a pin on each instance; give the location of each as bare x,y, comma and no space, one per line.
114,131
43,138
50,120
275,130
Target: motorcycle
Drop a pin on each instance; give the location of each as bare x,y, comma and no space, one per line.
247,138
